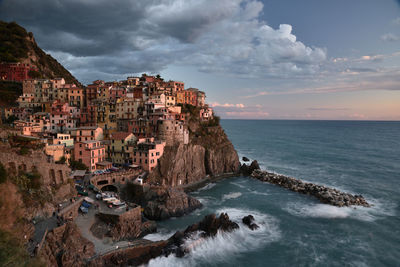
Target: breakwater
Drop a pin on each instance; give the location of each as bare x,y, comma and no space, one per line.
322,193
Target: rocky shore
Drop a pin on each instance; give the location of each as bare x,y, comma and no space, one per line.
177,244
324,194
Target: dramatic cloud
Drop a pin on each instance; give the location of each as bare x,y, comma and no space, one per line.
99,38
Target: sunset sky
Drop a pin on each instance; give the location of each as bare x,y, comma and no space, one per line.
270,59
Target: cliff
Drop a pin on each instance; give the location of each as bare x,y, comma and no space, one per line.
17,45
65,246
209,152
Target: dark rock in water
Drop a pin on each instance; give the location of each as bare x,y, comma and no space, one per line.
209,227
248,169
324,194
246,159
249,221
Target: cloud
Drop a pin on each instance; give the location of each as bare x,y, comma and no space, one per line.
226,105
97,38
367,79
389,37
327,109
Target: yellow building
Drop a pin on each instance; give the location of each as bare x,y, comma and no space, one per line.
117,148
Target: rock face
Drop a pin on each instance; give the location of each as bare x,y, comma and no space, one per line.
208,227
324,194
163,203
212,154
247,170
65,246
249,221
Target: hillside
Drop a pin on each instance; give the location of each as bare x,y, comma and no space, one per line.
17,45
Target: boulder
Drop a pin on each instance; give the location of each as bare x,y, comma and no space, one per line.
164,203
247,170
245,159
249,221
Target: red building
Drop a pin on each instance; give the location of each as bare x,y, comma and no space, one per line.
17,72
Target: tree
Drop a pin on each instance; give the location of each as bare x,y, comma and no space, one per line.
76,165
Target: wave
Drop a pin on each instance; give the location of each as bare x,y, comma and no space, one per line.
162,234
225,246
231,195
206,187
378,210
238,184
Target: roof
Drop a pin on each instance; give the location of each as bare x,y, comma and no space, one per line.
120,135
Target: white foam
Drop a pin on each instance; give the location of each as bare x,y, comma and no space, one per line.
238,184
231,195
224,246
378,210
207,187
160,235
259,193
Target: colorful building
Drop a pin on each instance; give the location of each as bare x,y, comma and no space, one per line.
92,154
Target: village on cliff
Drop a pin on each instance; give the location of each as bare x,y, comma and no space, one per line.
106,124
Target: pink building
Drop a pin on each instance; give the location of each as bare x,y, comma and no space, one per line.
87,133
147,152
92,154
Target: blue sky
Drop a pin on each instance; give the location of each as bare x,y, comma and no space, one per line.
271,59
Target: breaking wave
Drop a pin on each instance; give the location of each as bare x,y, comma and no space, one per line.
225,246
378,210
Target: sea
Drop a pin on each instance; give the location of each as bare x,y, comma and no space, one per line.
360,157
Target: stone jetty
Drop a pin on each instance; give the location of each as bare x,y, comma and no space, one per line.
324,194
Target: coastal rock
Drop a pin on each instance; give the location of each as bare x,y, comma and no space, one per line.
322,193
143,253
209,227
209,154
247,170
245,159
163,203
249,221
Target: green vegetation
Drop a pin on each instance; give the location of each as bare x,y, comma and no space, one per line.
25,144
15,45
13,254
13,42
30,187
9,92
62,160
23,151
3,174
76,165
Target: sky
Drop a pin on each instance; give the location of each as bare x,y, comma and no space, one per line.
255,59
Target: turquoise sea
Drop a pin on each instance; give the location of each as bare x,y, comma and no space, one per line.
360,157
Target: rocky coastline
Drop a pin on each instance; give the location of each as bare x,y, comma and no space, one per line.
324,194
177,245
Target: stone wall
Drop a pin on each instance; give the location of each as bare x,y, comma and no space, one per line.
52,174
72,211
